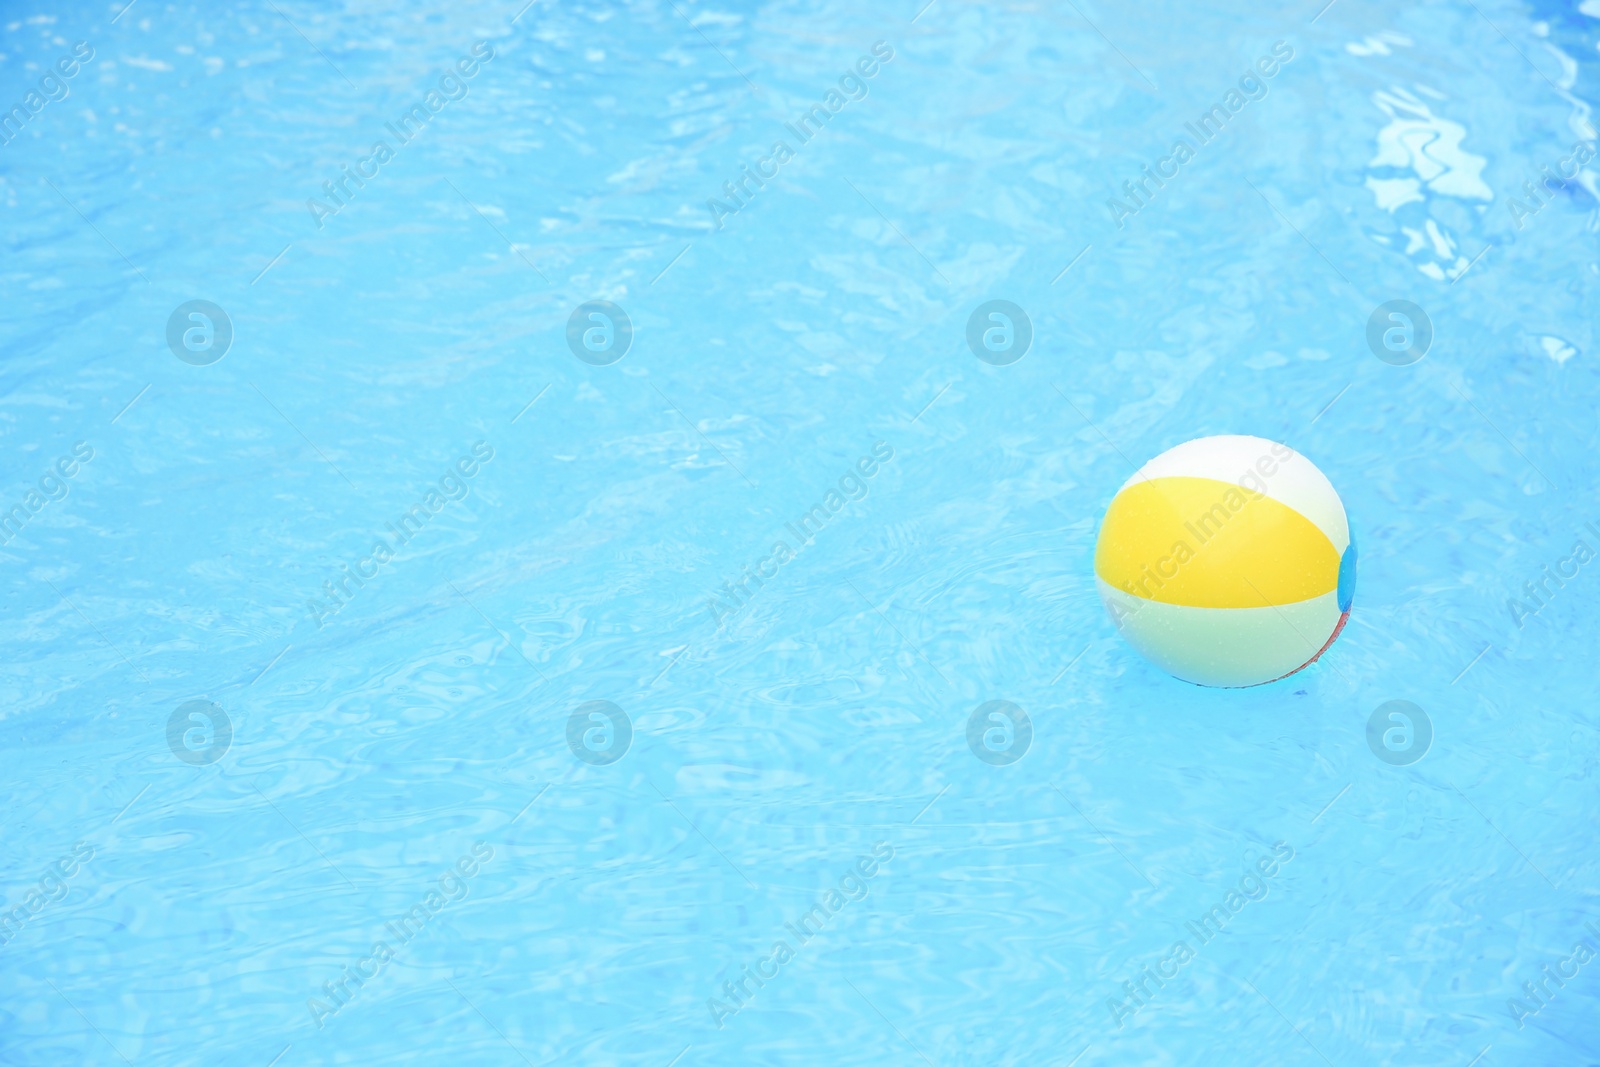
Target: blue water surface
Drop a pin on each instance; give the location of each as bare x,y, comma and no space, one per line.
399,664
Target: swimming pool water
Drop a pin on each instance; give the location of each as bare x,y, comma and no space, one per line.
524,542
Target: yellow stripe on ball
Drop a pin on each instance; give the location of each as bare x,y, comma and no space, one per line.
1211,544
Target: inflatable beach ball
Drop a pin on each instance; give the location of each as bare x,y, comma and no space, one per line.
1227,561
